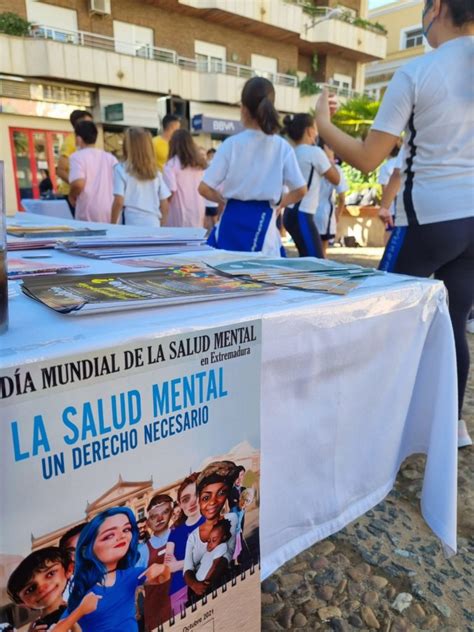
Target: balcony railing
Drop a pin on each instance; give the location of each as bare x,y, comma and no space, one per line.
346,93
146,51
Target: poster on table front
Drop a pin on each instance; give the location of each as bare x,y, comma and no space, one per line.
130,487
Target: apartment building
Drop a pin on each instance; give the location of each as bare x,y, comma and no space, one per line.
132,61
402,20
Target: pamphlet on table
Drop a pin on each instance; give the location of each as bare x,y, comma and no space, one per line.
181,284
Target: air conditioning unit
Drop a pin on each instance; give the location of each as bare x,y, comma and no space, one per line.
102,7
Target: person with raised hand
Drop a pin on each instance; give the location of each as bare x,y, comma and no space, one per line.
431,99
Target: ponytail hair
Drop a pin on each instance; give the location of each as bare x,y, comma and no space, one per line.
461,11
258,96
295,125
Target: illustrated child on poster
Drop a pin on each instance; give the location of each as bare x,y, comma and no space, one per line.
39,582
105,576
246,499
157,605
213,488
176,546
216,550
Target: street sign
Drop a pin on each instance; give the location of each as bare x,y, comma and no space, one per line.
114,112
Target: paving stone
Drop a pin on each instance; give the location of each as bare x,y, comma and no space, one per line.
324,548
299,620
329,612
269,586
285,617
320,563
369,617
359,572
313,605
271,609
431,622
356,621
402,602
291,580
325,592
378,582
370,598
339,625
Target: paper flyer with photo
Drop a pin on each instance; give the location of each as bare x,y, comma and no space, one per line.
130,487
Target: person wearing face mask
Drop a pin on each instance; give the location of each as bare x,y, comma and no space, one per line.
431,99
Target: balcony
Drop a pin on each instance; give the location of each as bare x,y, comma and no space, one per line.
337,32
260,18
73,56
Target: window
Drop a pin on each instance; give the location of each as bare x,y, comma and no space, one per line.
209,57
57,18
131,39
342,82
413,37
264,66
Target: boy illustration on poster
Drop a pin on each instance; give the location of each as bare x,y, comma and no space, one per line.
157,605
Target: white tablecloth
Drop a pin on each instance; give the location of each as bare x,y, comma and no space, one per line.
350,387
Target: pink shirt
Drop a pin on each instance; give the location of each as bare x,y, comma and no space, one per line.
186,205
95,166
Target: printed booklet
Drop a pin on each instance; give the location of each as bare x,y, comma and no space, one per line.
73,294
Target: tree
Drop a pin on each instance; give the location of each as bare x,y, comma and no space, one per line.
356,116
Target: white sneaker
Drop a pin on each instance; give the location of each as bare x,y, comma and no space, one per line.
463,436
470,326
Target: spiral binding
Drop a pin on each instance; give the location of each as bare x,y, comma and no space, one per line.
203,601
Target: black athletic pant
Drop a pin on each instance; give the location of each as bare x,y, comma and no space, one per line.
445,249
302,229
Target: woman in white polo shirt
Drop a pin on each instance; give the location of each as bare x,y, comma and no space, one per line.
315,166
247,175
432,99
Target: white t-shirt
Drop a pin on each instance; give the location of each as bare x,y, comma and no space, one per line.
325,217
311,158
432,99
253,165
141,197
196,548
208,559
385,173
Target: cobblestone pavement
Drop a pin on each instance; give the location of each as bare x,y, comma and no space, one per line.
385,571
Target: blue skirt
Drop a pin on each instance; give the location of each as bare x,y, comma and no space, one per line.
247,226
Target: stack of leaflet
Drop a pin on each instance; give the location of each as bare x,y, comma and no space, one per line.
307,274
21,268
34,237
171,285
134,247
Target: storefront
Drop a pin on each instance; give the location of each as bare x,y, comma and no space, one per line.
34,121
212,123
120,109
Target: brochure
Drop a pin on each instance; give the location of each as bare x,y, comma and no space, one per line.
53,231
19,268
72,294
308,274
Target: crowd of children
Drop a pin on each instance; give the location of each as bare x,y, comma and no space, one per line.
109,574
